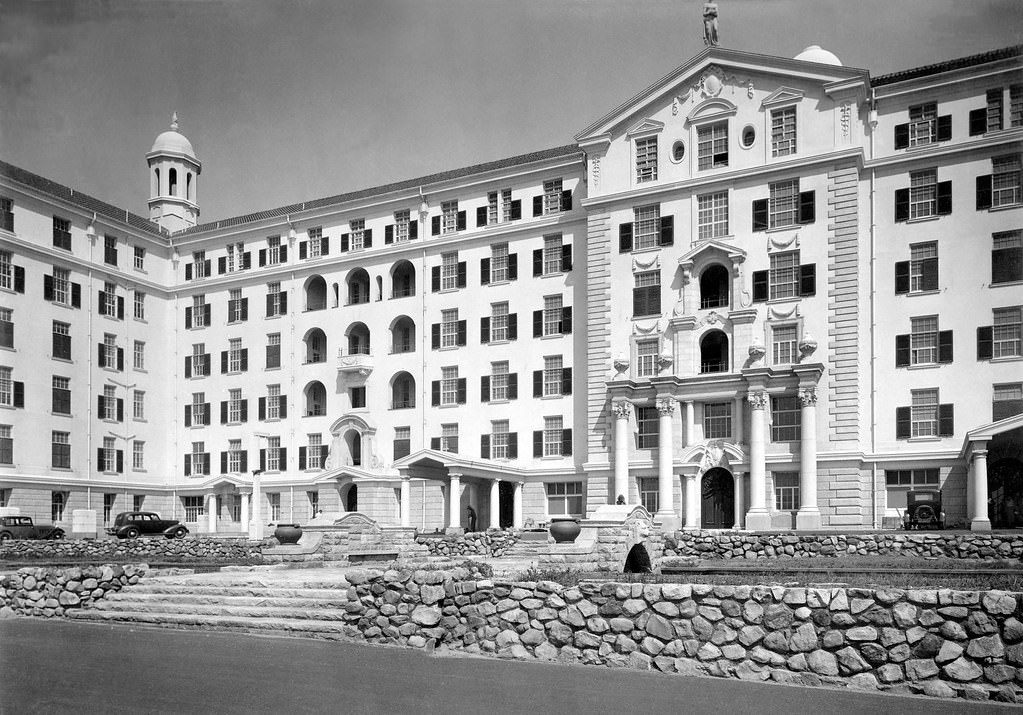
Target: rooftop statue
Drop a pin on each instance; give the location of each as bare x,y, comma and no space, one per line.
710,24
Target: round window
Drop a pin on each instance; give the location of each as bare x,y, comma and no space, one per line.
678,151
749,135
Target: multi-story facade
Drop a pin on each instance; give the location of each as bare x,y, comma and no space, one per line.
763,293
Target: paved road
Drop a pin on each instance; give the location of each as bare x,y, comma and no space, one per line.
50,666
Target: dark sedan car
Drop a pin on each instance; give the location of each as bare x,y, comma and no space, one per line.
132,524
21,527
923,510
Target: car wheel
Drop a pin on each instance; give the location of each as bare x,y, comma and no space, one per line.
131,533
57,534
925,514
180,532
5,537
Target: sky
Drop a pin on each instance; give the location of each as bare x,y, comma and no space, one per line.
293,100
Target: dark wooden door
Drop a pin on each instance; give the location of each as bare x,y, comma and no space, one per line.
506,495
718,493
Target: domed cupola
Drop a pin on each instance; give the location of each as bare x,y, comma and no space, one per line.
816,53
173,180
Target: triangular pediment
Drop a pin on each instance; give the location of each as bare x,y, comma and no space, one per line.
646,126
782,95
985,433
712,248
716,108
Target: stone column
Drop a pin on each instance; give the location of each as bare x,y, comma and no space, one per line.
257,515
690,423
406,502
245,512
692,502
495,504
212,514
979,520
665,477
738,501
737,432
808,517
455,501
622,411
517,507
757,518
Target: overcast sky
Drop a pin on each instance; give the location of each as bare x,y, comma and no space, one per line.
295,100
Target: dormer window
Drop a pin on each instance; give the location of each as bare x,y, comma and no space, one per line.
712,145
783,131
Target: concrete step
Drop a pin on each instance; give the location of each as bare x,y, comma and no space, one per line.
131,596
277,626
200,589
169,609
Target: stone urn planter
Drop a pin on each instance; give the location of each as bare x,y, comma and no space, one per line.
564,529
288,533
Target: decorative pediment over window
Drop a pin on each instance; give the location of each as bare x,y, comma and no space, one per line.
709,251
711,109
782,95
645,128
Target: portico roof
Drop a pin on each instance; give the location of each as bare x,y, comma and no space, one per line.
454,463
985,433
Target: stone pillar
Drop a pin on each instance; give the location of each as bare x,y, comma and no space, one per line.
757,518
665,478
212,514
979,520
739,506
690,423
406,502
245,511
737,432
495,504
622,411
257,512
808,518
692,502
455,501
517,506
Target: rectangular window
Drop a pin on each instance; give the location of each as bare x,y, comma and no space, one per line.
1007,257
646,358
449,328
273,250
199,264
108,507
552,436
649,495
717,420
234,456
109,305
712,212
139,355
784,204
61,233
6,271
313,452
109,455
449,216
61,340
234,355
784,275
200,366
199,311
923,341
1016,105
358,397
499,262
138,404
646,226
449,438
6,387
648,429
6,219
499,439
6,328
449,271
138,455
109,403
552,315
6,445
923,267
994,109
923,122
273,454
900,481
923,193
357,227
552,374
61,397
60,450
234,260
273,300
646,160
234,306
786,490
783,344
194,508
924,413
785,422
273,350
783,131
139,303
61,286
492,208
565,498
140,258
498,322
506,205
58,502
646,296
110,250
110,351
315,242
499,381
552,196
234,405
1007,401
198,408
1006,333
1005,181
552,254
712,145
314,503
273,402
449,386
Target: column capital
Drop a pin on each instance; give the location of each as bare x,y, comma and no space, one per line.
665,405
454,475
757,399
622,409
979,454
808,396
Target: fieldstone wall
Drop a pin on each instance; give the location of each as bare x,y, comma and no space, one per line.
478,543
743,545
935,642
189,549
50,592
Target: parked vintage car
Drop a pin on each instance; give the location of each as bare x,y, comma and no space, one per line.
21,527
923,510
132,524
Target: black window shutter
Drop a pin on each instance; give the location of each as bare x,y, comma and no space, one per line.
481,216
435,225
901,277
807,207
18,387
282,406
460,279
188,366
101,458
244,410
303,251
245,308
345,242
262,408
902,204
513,445
101,406
513,326
102,300
76,295
462,392
223,462
760,286
944,198
983,192
566,381
566,320
188,464
460,221
269,304
120,410
435,336
47,287
901,136
566,200
667,235
946,420
435,393
388,234
223,361
324,245
513,266
19,279
301,458
206,414
513,386
566,258
930,274
944,346
188,415
120,308
283,456
262,460
262,257
435,279
516,209
413,230
247,260
243,462
538,205
120,460
485,388
101,355
485,446
944,128
120,359
537,383
188,271
435,443
222,265
760,215
245,359
978,121
460,339
283,302
538,262
206,312
625,238
537,443
208,263
566,442
367,238
808,279
537,323
902,350
223,412
484,271
903,428
484,330
985,342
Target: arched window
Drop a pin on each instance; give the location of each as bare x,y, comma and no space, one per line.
315,399
358,339
403,335
315,346
403,280
337,294
315,293
714,287
714,352
172,177
403,392
189,193
156,182
358,287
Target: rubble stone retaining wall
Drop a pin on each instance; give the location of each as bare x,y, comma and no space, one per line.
49,592
190,549
743,545
481,543
936,642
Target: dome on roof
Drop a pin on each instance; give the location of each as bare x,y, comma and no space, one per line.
173,142
816,53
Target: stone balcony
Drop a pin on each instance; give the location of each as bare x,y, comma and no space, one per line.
357,365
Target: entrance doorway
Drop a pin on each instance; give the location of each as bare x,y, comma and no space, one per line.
717,489
506,502
351,498
1005,492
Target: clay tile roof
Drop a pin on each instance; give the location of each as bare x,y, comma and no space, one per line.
948,66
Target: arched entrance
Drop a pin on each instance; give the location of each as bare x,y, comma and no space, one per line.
351,498
717,489
1005,494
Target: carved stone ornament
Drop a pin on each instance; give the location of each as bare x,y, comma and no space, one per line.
665,405
757,352
757,399
808,396
622,409
621,365
712,318
846,118
652,261
664,361
807,345
749,88
777,243
714,455
778,313
595,171
711,84
640,327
